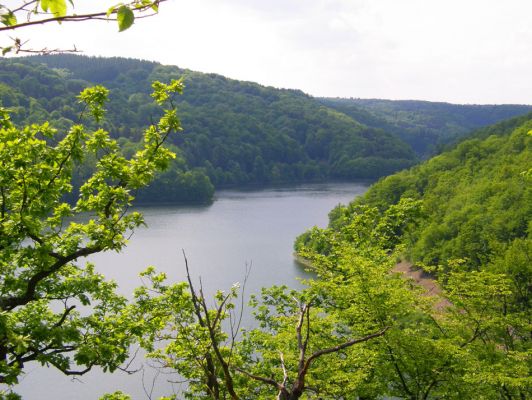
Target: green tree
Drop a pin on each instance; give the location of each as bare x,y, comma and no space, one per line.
473,344
299,347
321,342
43,238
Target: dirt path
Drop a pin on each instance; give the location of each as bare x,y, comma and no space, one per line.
425,280
420,277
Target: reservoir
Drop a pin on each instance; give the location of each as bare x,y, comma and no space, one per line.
241,229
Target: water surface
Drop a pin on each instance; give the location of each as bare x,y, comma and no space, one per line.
253,228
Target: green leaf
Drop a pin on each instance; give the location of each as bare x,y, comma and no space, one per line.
9,19
56,7
45,5
6,50
59,8
125,18
113,9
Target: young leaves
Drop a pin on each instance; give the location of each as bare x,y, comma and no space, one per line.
125,18
57,7
8,19
42,239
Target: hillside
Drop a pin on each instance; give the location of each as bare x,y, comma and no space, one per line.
477,199
234,132
422,124
463,216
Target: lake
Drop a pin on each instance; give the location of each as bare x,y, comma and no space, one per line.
241,228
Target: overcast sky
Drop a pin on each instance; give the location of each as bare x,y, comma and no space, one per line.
460,51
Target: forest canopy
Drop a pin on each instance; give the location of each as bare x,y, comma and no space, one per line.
426,126
235,132
463,216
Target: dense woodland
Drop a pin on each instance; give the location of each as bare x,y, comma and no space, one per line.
476,198
234,133
357,330
465,218
426,126
237,133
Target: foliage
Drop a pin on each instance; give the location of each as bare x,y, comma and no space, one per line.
235,132
426,126
303,345
469,223
357,331
476,199
38,12
52,309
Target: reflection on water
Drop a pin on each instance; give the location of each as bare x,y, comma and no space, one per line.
241,228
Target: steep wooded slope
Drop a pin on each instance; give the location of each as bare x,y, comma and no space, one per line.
476,197
422,124
465,216
235,132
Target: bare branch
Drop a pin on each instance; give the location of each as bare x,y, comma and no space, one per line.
70,372
342,346
195,300
302,345
236,329
64,316
210,368
12,302
214,343
126,367
24,5
260,378
285,374
18,47
219,310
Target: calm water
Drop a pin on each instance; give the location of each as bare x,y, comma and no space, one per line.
241,228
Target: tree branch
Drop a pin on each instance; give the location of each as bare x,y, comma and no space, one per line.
212,335
70,372
260,378
285,374
9,303
64,316
398,371
335,349
77,18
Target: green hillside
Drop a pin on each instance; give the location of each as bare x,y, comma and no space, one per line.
476,207
422,124
234,132
477,198
464,216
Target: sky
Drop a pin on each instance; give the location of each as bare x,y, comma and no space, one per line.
459,51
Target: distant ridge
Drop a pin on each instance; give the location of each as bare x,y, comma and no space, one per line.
235,133
425,125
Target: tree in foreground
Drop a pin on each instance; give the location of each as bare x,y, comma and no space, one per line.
476,344
53,309
297,351
321,342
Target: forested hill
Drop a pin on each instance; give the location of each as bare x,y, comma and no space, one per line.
234,132
465,216
424,125
476,202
